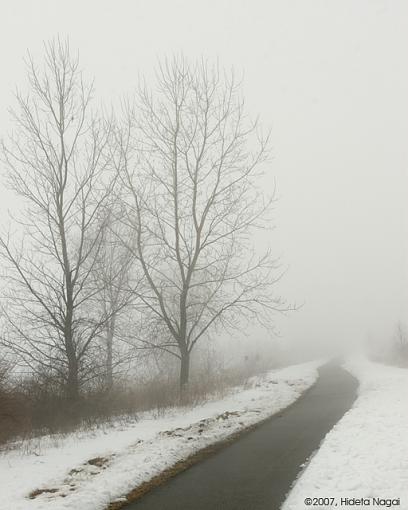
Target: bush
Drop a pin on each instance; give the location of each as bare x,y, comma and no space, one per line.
37,405
14,409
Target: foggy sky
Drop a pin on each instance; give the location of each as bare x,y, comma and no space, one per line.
330,78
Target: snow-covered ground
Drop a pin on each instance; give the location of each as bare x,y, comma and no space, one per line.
366,454
124,456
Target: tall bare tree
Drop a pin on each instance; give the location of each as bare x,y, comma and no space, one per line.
190,168
113,275
57,161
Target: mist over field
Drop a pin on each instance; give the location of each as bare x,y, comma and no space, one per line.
328,79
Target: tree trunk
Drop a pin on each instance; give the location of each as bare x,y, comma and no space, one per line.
72,381
184,372
109,348
72,388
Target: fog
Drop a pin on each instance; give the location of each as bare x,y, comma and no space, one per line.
329,78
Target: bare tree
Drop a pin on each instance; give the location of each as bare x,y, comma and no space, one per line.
58,161
401,344
190,168
112,273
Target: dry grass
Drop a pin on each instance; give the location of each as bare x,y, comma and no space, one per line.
31,409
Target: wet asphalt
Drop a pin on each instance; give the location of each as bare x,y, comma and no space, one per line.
257,471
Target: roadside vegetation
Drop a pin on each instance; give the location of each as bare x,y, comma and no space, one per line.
31,407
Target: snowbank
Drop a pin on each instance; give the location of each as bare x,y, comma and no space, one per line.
88,471
366,454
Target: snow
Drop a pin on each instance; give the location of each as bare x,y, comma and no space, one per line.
366,454
133,452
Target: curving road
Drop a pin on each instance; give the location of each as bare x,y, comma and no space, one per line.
257,471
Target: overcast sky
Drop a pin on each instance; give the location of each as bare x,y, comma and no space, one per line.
331,80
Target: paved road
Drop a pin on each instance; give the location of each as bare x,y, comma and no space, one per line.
257,471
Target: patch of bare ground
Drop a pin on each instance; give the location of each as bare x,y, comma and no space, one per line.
38,492
92,467
98,461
